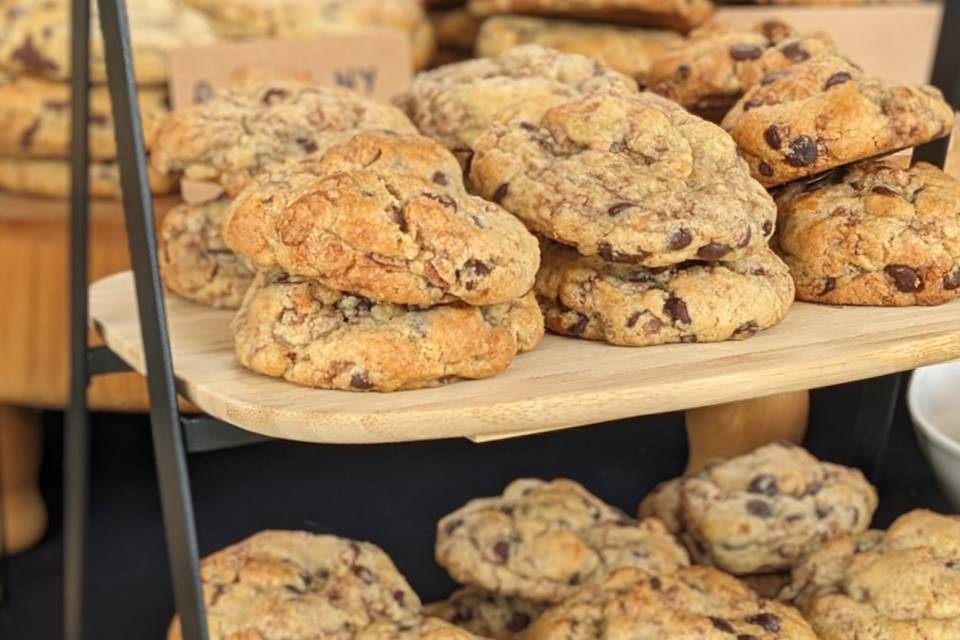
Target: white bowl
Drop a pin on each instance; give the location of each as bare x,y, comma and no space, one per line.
934,401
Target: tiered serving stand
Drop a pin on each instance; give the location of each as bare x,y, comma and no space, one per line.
187,349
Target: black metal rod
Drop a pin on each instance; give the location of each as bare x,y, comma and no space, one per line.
204,434
172,473
946,77
76,459
101,360
875,414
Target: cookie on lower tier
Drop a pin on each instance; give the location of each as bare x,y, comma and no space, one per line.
825,113
873,233
693,602
293,585
680,15
629,50
259,121
51,178
195,262
635,306
295,328
455,103
545,540
900,585
486,613
764,511
425,628
633,179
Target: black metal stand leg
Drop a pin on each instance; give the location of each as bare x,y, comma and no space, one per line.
875,413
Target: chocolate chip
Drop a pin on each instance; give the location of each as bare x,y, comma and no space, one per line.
26,138
439,178
606,251
677,310
619,208
764,484
364,574
360,381
765,169
501,192
579,326
773,76
502,551
518,622
881,190
33,63
722,625
452,526
795,52
767,227
443,199
309,146
526,126
904,278
479,267
274,94
655,584
399,217
752,103
829,284
574,579
713,251
951,281
202,92
771,136
745,52
632,320
681,238
682,73
766,621
759,508
747,636
399,596
838,78
823,512
506,510
802,152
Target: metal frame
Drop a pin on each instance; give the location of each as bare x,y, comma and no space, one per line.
173,435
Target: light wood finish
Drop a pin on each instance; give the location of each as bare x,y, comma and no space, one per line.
563,383
734,428
21,444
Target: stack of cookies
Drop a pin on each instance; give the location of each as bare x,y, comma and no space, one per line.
35,94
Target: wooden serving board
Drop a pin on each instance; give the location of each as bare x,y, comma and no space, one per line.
563,383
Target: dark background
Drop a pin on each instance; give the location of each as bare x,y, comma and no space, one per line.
391,495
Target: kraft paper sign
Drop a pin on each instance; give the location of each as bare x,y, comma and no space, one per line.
377,64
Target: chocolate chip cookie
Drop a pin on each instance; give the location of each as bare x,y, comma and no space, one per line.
421,629
266,19
259,122
51,178
680,15
545,540
709,73
295,585
629,50
694,602
455,103
901,585
386,217
873,233
35,38
633,179
35,119
295,328
636,306
487,614
194,261
826,112
764,511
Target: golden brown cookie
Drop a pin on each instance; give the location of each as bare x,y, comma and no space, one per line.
51,178
681,15
487,614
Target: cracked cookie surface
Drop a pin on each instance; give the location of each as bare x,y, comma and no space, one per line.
902,584
764,511
294,585
635,306
195,262
633,179
873,233
487,614
693,602
681,15
455,103
297,329
546,540
826,112
386,217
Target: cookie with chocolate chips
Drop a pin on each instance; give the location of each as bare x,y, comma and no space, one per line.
487,614
544,541
632,179
902,584
194,261
425,628
295,328
295,585
386,217
710,72
679,15
826,112
260,121
693,602
453,104
874,233
50,178
636,306
764,511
